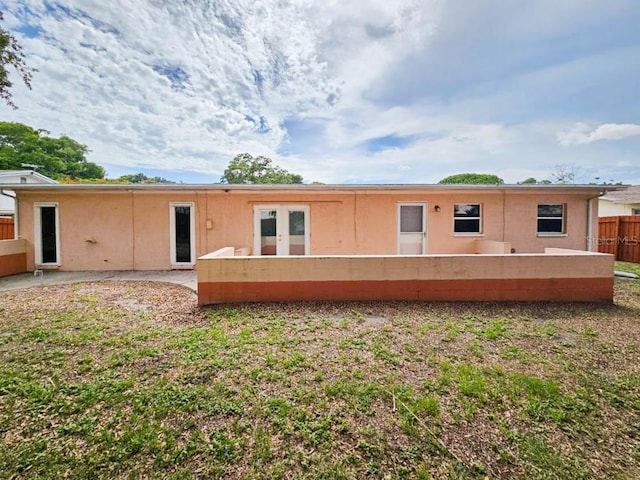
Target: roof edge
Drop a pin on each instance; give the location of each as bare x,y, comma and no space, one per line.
311,187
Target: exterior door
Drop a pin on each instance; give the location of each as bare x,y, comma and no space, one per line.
281,230
182,235
46,234
412,228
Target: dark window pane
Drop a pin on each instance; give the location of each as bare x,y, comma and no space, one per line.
268,223
550,225
467,225
48,234
550,210
296,223
183,234
411,218
466,210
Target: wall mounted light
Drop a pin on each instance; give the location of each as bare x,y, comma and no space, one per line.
437,208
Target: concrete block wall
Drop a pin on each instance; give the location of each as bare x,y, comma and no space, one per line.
13,257
555,276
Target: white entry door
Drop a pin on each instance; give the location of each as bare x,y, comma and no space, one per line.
412,228
281,230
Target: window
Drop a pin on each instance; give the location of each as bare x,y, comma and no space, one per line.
551,219
467,218
635,211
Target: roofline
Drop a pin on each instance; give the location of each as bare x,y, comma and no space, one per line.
602,189
22,173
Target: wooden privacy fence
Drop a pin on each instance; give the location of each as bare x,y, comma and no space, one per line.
6,228
620,236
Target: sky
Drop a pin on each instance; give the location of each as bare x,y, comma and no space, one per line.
339,91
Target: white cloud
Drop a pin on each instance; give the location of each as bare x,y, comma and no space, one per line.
186,85
191,84
582,133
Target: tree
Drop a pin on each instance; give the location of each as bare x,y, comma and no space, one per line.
142,178
21,145
529,181
244,168
566,173
473,178
11,56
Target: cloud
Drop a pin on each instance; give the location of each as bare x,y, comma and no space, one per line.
337,90
582,133
194,83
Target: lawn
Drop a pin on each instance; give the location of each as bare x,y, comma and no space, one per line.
130,380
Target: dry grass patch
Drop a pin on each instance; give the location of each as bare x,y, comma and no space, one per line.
121,379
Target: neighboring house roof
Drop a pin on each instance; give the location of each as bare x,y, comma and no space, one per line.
9,177
630,195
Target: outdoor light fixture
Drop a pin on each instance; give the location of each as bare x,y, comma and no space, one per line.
437,208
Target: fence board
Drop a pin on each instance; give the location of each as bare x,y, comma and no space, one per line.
620,236
6,228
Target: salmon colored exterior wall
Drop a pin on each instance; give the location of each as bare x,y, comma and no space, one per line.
558,275
129,230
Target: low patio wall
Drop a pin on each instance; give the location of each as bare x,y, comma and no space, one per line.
558,275
13,257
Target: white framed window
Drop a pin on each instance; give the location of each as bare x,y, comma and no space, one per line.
467,218
46,233
635,211
552,218
182,234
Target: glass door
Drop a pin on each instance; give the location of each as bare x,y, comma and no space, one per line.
47,233
412,228
281,230
182,234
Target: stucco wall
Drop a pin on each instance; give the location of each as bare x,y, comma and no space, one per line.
106,231
559,275
129,230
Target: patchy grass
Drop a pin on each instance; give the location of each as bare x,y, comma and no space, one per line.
128,380
628,267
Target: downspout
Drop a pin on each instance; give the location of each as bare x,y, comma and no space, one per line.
15,216
133,230
504,215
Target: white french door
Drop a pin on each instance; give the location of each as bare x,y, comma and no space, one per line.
412,228
281,230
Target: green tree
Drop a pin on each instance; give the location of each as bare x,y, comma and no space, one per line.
473,178
244,168
21,145
11,56
529,181
142,178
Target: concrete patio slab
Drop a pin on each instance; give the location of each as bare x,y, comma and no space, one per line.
187,278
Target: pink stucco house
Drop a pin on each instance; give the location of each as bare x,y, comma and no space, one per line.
158,227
